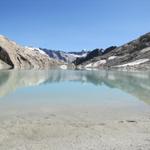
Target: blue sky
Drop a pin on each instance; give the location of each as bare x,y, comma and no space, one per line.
74,24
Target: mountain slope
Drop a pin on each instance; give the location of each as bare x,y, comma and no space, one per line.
133,55
18,57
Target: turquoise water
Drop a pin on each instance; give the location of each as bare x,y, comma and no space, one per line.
68,109
74,87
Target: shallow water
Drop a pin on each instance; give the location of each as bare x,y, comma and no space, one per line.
69,110
69,87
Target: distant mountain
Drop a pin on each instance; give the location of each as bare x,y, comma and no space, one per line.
133,55
92,54
67,57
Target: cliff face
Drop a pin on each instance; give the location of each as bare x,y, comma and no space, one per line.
135,54
18,57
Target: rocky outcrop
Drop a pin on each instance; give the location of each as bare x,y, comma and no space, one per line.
133,55
89,56
109,49
18,57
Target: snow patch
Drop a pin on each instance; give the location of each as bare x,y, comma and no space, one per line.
98,63
89,65
77,56
42,52
145,50
137,62
111,57
36,49
63,67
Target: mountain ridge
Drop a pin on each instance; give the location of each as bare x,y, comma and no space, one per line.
132,55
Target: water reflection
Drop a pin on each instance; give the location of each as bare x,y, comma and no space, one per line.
134,83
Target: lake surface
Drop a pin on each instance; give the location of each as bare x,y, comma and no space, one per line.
68,109
68,86
108,91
